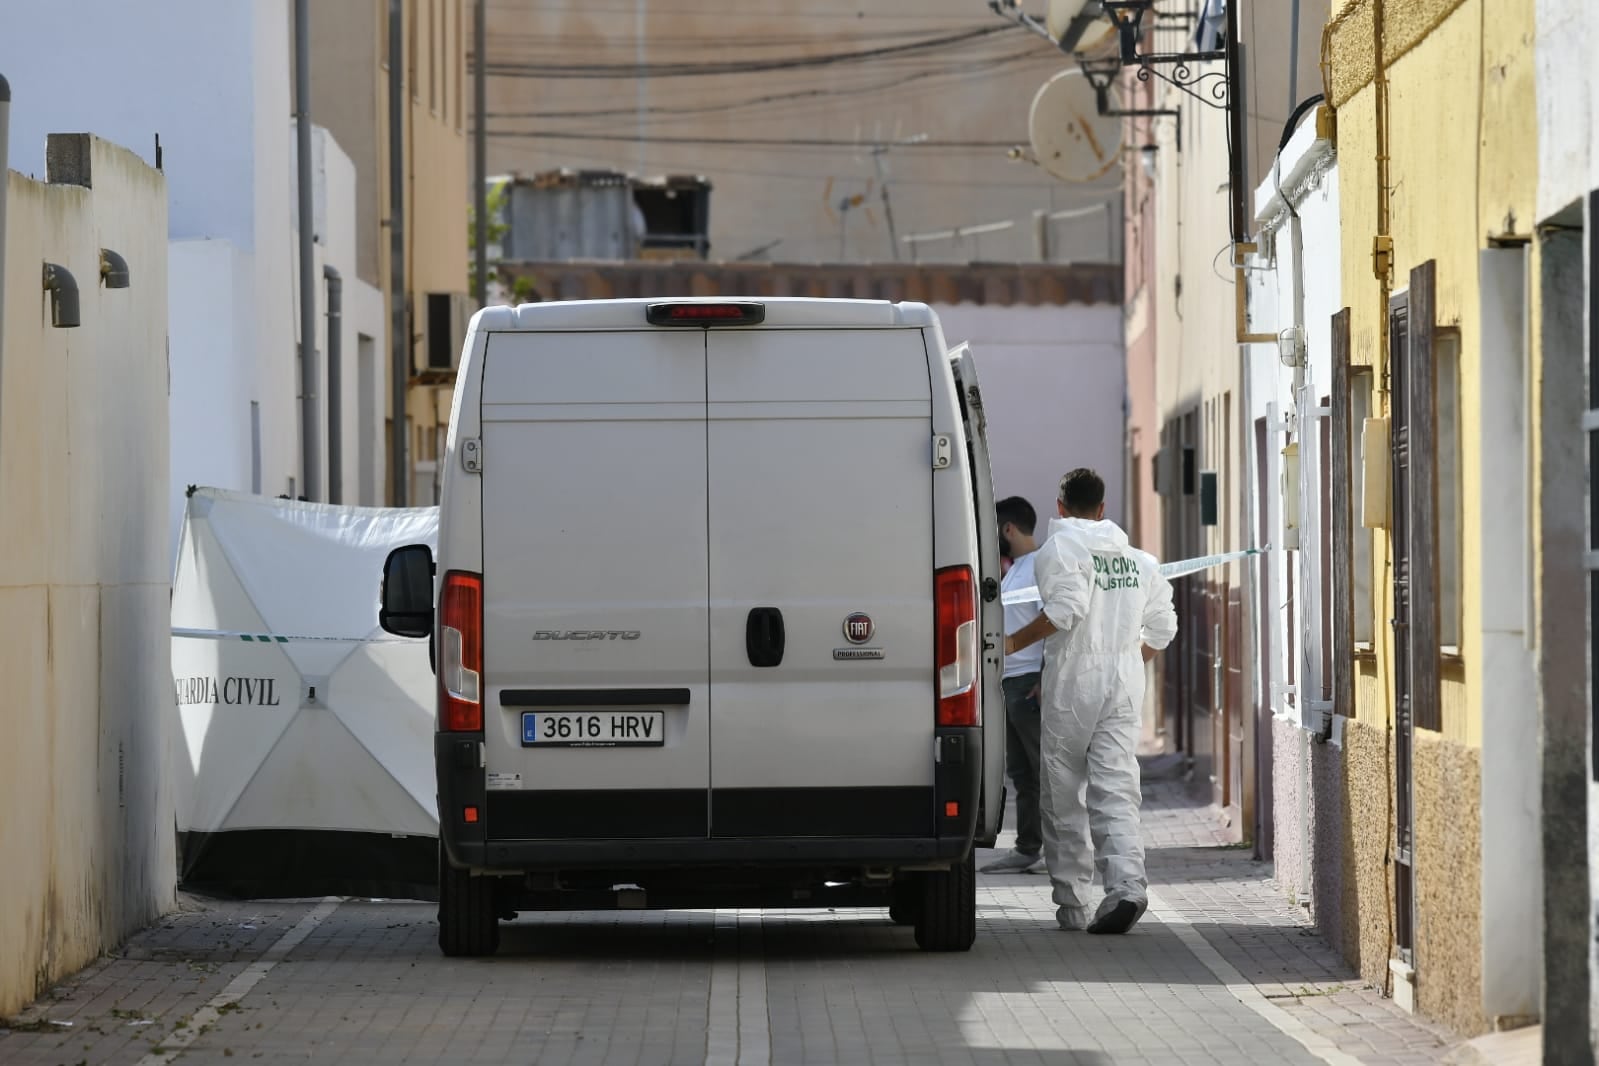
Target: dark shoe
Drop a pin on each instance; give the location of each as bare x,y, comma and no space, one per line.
1118,920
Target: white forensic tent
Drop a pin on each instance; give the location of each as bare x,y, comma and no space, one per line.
305,739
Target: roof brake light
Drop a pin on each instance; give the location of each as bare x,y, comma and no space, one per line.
706,315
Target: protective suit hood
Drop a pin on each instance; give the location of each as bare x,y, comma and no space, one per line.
1101,536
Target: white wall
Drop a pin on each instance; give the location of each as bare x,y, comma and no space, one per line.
1568,168
334,214
276,247
1568,103
211,331
86,809
1053,385
1309,179
1284,284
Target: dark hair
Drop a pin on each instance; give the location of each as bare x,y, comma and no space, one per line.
1017,512
1082,491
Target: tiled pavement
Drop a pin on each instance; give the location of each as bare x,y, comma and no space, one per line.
1223,970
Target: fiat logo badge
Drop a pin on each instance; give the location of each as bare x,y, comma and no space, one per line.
858,628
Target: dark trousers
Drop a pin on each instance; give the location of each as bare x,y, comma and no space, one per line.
1022,759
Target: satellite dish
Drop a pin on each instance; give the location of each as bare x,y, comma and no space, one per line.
1059,16
1070,138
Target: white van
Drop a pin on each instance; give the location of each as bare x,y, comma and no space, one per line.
718,618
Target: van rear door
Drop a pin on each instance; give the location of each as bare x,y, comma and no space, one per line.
597,711
991,608
821,582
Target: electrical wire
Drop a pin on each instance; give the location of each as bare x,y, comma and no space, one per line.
819,176
849,12
771,98
507,69
747,142
563,43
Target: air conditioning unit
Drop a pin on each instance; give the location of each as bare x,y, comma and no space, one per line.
447,316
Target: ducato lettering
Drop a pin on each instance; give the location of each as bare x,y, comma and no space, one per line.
587,634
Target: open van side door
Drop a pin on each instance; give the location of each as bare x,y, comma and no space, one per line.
990,609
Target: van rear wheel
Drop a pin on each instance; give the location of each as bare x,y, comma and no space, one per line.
947,918
469,922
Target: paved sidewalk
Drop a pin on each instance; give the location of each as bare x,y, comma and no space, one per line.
1222,970
1196,866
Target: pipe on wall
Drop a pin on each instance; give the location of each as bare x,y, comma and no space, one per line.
399,329
5,183
1382,248
480,192
310,459
335,384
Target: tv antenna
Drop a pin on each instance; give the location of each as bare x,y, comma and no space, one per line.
879,150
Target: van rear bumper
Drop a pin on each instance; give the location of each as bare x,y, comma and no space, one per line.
526,856
890,827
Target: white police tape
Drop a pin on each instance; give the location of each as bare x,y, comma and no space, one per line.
1181,568
1027,595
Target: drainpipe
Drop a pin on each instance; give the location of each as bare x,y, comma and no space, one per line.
309,458
5,183
1237,176
480,194
1293,55
1382,245
335,384
399,330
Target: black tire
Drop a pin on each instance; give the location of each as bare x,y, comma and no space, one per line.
469,923
904,901
947,920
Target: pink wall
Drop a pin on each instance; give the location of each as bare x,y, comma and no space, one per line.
1052,379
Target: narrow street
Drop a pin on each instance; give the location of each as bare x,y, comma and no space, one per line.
1220,971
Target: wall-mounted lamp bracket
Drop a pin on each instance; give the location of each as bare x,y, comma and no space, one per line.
1101,73
1209,87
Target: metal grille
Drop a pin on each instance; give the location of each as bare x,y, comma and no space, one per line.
1590,425
1398,363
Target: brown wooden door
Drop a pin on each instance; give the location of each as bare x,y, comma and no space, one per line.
1414,533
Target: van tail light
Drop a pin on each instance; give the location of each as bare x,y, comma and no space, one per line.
955,640
461,653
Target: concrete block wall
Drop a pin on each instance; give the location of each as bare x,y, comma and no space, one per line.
86,816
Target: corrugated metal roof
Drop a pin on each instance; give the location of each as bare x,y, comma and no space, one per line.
568,178
998,284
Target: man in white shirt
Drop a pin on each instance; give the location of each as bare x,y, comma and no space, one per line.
1017,521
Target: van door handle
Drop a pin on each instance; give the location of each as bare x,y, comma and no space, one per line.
763,636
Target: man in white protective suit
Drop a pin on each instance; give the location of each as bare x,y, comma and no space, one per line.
1107,612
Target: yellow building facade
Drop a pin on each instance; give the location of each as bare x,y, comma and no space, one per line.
1436,127
350,96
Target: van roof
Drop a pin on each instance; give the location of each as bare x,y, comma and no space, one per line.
785,311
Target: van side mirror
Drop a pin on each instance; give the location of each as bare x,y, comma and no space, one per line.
405,605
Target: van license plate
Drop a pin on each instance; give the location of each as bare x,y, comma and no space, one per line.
593,729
